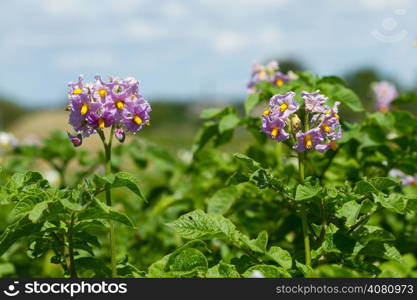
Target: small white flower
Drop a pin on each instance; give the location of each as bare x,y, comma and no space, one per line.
52,176
7,142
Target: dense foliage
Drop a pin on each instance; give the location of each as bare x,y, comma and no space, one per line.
207,212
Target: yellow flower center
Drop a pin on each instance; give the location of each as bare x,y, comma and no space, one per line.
101,123
336,115
84,109
308,142
283,107
68,107
279,83
261,73
274,132
266,112
120,104
102,93
137,120
325,128
77,91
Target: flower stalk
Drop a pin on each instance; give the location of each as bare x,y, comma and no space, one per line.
107,160
304,223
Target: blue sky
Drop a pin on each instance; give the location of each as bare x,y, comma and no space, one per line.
195,49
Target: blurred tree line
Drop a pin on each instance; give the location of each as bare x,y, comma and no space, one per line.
9,112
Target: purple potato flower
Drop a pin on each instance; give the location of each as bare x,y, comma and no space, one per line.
283,106
279,79
404,178
262,73
307,141
385,92
116,103
137,115
275,129
101,121
314,102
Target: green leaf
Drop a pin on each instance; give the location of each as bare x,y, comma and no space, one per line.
397,203
199,225
257,245
189,260
337,92
223,270
26,204
98,266
332,80
120,179
280,256
382,250
333,271
364,187
251,101
222,200
374,185
37,211
99,210
205,133
22,228
268,271
248,163
228,122
306,191
211,113
367,233
163,267
350,211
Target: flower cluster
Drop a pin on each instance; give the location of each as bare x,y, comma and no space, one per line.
116,103
405,179
322,126
269,73
385,92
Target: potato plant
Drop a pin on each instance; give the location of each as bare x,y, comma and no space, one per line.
310,194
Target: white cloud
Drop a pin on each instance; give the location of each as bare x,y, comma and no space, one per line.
78,60
384,4
239,4
229,42
174,9
141,29
62,7
270,35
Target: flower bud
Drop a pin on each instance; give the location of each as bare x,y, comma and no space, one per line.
76,140
120,135
295,122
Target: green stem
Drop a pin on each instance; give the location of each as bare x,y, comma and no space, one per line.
301,166
73,272
107,155
304,215
306,239
278,152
